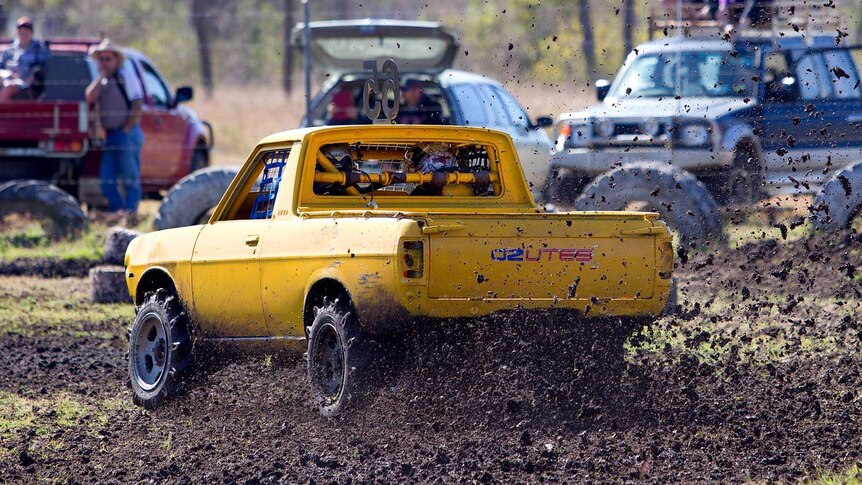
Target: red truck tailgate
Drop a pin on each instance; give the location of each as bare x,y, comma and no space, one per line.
38,121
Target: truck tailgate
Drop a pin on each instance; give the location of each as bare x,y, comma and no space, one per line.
542,256
36,121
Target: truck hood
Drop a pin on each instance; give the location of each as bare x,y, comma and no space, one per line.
623,108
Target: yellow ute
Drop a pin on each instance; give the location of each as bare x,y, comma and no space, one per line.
330,235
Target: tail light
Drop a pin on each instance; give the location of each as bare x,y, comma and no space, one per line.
413,258
61,146
665,263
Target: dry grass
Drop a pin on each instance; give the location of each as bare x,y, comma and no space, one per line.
242,115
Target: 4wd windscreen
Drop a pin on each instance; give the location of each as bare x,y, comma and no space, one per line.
709,74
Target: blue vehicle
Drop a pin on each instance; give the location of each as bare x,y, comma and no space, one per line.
750,117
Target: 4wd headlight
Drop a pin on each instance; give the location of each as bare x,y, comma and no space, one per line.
604,128
693,135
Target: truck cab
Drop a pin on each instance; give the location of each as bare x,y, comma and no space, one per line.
45,136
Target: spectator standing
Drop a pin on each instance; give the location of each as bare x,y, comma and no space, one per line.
21,60
118,98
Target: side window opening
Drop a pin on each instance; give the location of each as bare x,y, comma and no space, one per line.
810,77
845,74
256,196
155,87
380,170
517,115
471,104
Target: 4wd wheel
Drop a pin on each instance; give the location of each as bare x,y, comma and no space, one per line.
160,349
190,201
742,183
200,159
337,359
839,202
564,187
683,202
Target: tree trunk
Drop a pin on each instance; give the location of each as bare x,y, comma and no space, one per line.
200,22
587,43
628,25
287,61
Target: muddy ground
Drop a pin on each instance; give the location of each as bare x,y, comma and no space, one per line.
755,377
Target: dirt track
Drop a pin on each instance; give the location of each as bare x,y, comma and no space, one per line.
746,382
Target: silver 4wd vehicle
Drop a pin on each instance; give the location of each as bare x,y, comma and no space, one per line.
424,52
755,116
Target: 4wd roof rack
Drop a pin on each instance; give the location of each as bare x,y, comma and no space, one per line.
751,18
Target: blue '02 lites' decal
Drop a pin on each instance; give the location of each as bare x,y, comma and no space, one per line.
543,254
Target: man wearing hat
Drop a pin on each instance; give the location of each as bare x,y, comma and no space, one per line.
118,98
20,60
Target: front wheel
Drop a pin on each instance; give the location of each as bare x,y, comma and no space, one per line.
337,359
159,349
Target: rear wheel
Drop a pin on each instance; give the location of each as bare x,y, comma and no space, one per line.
337,359
160,349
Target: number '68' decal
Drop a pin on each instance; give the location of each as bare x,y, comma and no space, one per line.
382,92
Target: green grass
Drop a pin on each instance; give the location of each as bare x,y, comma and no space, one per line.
851,476
31,242
58,307
763,338
46,414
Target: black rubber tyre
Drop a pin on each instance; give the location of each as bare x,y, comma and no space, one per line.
337,360
839,201
740,184
564,189
117,241
190,200
45,201
108,285
672,300
683,202
200,159
160,349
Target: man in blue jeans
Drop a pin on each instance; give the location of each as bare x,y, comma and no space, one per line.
118,98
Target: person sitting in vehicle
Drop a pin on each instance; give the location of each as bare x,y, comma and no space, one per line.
417,108
21,60
342,109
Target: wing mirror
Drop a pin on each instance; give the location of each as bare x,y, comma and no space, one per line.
542,122
603,87
184,94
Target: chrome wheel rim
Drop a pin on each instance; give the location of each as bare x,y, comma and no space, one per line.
150,352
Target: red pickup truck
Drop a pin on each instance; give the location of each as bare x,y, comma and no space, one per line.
45,136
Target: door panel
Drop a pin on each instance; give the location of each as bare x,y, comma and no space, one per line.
226,279
164,129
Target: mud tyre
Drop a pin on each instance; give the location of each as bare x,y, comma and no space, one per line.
46,201
160,349
117,241
337,360
190,201
839,201
564,188
108,285
681,200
